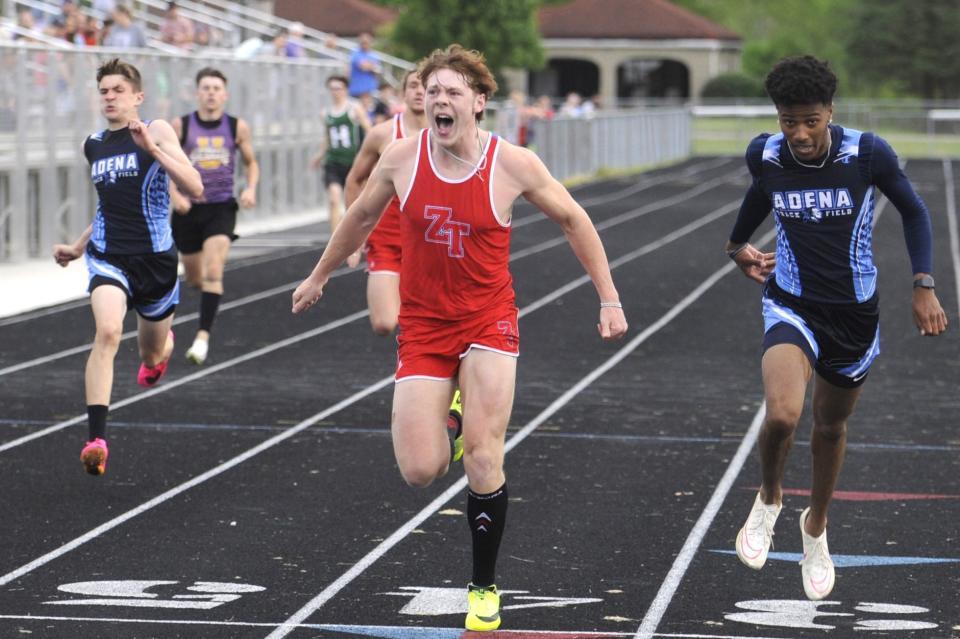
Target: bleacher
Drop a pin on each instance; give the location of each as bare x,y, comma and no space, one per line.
233,27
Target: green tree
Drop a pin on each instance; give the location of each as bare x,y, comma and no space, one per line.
733,85
504,30
909,46
774,30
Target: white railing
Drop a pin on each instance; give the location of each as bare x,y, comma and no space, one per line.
617,140
48,105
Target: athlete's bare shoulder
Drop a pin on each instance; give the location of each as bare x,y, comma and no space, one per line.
380,136
399,153
520,167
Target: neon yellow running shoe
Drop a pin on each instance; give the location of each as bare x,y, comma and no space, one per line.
455,424
484,608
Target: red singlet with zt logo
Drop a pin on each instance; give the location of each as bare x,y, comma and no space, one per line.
455,250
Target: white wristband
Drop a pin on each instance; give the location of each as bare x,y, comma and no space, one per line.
611,305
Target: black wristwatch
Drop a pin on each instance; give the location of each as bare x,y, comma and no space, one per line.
924,282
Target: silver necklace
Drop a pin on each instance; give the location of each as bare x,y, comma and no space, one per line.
822,162
480,164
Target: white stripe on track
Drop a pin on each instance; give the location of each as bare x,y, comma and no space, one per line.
180,319
329,326
635,213
952,225
242,262
199,479
519,255
323,237
670,584
680,565
457,487
629,191
353,629
537,248
522,434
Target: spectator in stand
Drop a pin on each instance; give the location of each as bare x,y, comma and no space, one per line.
176,29
388,96
203,36
105,29
512,121
376,110
573,106
69,8
106,7
90,31
278,46
26,21
56,28
364,68
543,108
124,33
591,106
294,47
71,28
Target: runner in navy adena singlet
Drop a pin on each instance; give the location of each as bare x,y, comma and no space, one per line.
129,249
820,306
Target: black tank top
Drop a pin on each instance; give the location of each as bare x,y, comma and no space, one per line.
134,200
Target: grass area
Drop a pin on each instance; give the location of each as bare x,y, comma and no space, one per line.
730,136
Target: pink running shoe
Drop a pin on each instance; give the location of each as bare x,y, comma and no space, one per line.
94,456
148,376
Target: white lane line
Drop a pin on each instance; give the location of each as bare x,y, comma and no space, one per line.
354,628
670,584
319,416
456,488
635,213
193,376
643,250
180,319
242,243
239,263
537,248
680,565
673,235
631,190
199,479
952,225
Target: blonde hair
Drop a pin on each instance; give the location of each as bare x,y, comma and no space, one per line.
468,63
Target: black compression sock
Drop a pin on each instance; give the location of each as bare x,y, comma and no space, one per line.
209,303
97,421
486,515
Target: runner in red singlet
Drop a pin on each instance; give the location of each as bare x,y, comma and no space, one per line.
458,321
383,245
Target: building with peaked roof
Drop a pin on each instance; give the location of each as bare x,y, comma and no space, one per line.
617,49
623,49
343,18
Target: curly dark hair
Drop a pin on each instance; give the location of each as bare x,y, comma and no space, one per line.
801,80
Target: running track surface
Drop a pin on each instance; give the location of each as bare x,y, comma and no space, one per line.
257,496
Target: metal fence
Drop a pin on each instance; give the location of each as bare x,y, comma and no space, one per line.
612,140
916,128
49,104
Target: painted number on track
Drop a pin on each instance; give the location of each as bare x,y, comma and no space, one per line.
791,613
202,595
